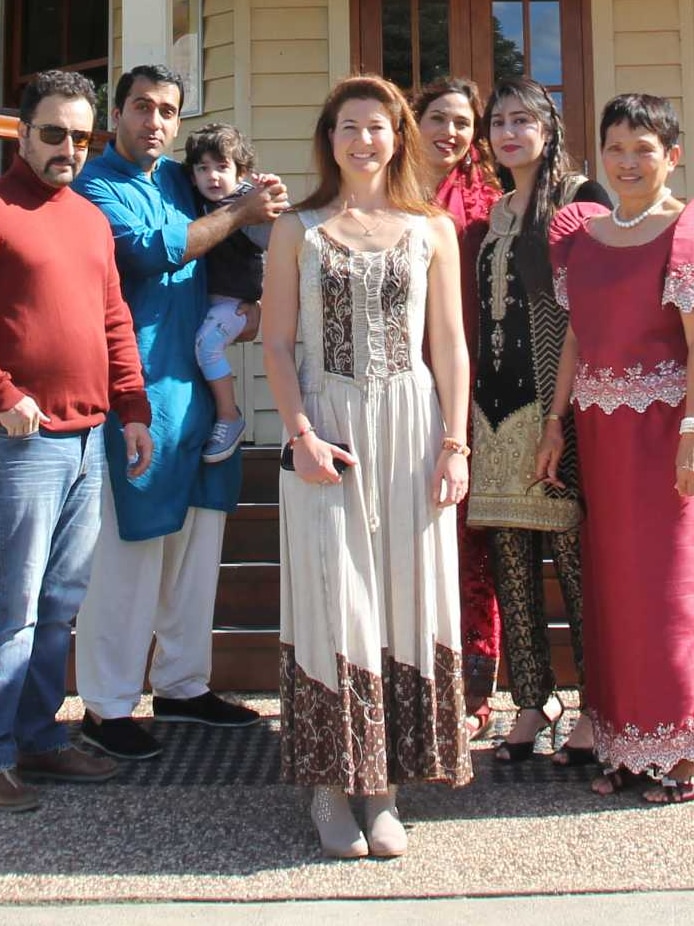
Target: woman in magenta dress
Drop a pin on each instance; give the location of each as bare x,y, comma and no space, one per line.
627,280
449,115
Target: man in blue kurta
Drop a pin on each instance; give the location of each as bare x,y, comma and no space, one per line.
157,560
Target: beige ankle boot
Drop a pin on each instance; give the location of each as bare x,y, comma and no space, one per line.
384,831
338,831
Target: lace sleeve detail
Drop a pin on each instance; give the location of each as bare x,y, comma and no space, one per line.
679,287
560,291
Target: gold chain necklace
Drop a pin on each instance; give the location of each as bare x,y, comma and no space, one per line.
366,230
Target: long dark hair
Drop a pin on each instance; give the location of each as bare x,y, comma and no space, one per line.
548,190
406,168
469,89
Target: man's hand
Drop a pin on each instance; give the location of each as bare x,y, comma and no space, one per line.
23,419
138,447
252,312
263,204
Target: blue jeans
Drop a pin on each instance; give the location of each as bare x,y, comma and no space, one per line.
50,511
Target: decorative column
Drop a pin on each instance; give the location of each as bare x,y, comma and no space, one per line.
146,32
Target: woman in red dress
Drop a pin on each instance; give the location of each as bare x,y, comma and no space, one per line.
626,278
449,114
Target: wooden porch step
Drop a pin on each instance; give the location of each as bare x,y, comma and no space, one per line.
251,534
261,471
248,595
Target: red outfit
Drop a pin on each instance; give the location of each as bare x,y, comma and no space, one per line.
71,351
468,200
638,536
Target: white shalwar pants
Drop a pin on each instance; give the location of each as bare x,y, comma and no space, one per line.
164,587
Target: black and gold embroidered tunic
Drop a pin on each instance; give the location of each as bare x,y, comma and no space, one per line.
519,347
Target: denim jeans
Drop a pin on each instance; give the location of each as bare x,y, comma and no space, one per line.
50,511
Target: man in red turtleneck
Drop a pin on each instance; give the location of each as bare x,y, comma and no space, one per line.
67,355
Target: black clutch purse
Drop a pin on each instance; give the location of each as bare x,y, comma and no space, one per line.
287,458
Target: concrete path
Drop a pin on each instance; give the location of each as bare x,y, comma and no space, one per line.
646,909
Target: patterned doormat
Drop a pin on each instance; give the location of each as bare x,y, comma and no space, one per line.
196,755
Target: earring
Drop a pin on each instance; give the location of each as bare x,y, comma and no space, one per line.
467,160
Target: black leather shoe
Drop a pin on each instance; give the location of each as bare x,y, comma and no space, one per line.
207,708
121,737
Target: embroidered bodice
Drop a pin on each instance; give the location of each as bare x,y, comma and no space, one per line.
623,306
362,312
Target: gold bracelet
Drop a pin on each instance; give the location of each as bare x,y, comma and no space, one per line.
553,417
455,446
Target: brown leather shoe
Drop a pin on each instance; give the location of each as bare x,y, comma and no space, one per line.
14,794
68,764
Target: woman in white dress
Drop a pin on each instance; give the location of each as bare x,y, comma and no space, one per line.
371,682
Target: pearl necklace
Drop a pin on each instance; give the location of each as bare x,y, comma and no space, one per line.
631,223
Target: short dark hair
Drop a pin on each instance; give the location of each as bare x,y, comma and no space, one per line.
155,74
70,84
641,110
223,142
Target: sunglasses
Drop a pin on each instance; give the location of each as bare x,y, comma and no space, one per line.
56,135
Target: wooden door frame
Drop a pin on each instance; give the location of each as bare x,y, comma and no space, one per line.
474,59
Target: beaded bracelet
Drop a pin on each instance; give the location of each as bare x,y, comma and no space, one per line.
687,425
299,434
456,446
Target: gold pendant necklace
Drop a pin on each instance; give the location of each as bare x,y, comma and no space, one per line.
366,230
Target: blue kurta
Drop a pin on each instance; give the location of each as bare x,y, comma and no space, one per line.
149,217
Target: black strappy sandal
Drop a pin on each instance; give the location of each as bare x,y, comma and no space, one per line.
521,752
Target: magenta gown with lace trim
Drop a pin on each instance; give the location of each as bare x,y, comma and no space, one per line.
638,536
370,654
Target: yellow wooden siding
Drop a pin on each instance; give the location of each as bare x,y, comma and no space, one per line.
292,24
116,52
641,46
268,65
219,29
648,48
643,15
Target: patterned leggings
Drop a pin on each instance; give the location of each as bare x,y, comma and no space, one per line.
517,564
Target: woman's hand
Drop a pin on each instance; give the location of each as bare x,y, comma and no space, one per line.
451,479
685,466
549,452
313,460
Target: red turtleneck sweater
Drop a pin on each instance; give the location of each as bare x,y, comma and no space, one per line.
66,335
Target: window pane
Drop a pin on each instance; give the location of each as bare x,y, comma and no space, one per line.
433,39
88,31
42,31
545,42
397,42
507,22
